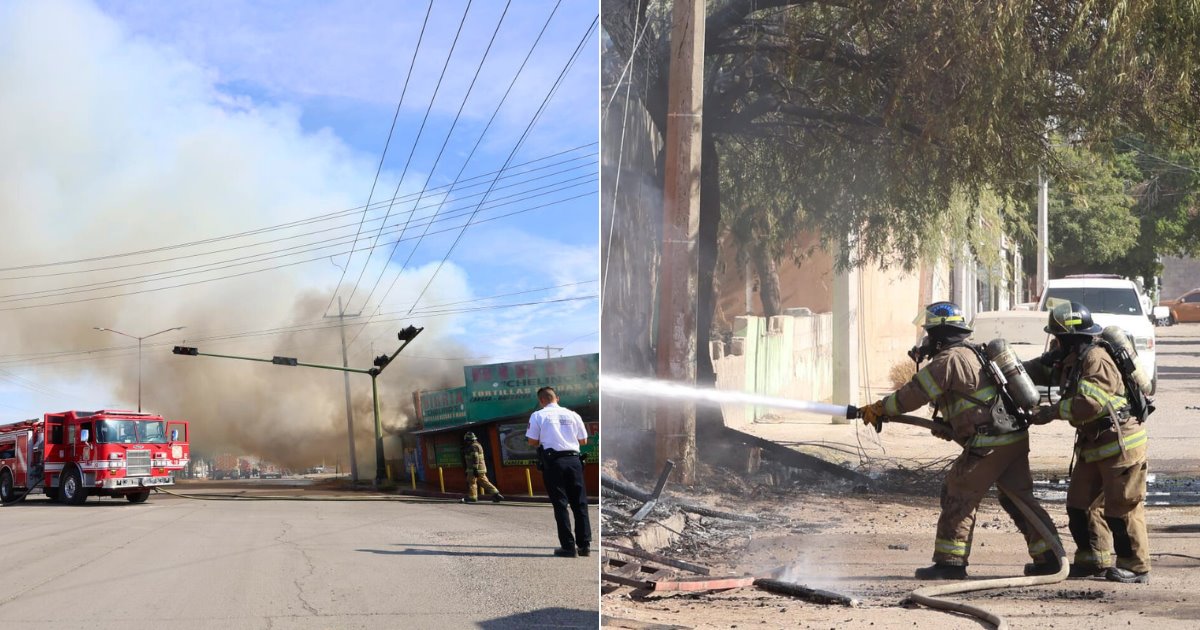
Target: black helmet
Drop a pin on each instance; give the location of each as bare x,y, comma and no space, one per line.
942,314
1071,318
469,437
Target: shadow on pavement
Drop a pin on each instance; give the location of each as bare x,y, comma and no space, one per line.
546,618
458,554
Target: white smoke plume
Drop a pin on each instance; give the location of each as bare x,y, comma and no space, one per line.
109,144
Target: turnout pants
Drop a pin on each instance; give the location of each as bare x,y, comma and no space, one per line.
969,479
563,478
1106,504
480,477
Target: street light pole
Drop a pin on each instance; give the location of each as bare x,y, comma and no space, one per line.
381,362
139,340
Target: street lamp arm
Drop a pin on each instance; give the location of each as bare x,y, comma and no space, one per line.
114,331
162,331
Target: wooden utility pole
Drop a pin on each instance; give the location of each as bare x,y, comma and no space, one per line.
547,349
675,425
341,317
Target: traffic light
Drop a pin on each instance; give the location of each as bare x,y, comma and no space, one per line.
185,350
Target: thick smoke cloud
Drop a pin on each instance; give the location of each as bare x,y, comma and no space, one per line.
109,145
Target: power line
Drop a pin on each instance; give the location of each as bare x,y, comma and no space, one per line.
412,62
281,266
467,161
313,232
525,135
313,246
430,312
437,160
296,223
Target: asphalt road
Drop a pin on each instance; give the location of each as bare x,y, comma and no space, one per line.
1174,428
184,563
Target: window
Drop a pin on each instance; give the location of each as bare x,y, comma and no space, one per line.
1111,300
71,433
87,426
56,434
8,450
1193,298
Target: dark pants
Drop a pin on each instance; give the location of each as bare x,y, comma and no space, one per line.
564,483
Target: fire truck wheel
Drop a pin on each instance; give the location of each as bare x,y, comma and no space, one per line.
73,492
138,497
7,495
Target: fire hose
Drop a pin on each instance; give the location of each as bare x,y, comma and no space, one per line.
931,595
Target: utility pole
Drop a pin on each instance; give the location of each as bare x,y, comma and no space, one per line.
547,349
346,381
1043,262
675,425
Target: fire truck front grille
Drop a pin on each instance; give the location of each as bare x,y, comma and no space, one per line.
137,464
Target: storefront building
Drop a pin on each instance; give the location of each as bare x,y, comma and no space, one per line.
495,404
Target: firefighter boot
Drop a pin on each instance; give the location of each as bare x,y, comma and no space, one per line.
469,500
1044,564
496,498
1117,574
941,572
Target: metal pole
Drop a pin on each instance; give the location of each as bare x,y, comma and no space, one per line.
1043,229
346,382
380,465
140,374
675,425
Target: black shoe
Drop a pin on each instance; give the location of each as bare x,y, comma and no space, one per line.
1125,576
1086,571
941,572
565,552
466,500
496,498
1042,568
584,551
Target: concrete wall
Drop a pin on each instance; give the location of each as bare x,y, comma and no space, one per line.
1180,275
789,356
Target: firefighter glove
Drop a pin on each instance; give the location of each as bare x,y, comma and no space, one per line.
1043,415
872,415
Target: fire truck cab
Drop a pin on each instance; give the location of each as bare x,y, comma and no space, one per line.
71,455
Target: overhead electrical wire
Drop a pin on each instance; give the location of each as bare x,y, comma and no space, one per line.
441,151
303,248
520,141
280,266
298,222
379,169
471,154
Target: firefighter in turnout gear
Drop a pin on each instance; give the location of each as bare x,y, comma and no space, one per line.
964,394
1110,448
475,465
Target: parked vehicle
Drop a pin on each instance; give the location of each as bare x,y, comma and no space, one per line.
269,471
1185,308
71,455
225,467
1114,301
1022,329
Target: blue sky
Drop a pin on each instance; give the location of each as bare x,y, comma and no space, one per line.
251,114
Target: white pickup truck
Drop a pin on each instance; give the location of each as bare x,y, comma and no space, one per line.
1112,300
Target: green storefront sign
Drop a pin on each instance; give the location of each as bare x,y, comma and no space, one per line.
443,407
502,390
448,456
515,449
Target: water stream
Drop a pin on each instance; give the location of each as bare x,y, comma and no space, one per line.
653,388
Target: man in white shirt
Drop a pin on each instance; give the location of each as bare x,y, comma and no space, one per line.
558,432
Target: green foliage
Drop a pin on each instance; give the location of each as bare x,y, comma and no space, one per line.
915,126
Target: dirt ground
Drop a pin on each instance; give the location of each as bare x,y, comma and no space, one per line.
866,542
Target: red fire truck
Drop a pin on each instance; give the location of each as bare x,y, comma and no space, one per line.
71,455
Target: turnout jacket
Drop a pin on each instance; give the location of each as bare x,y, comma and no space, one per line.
473,458
1094,404
955,382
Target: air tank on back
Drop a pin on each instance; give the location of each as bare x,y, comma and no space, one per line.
1120,340
1019,386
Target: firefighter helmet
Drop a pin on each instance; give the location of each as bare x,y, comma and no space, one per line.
469,437
1070,318
942,314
